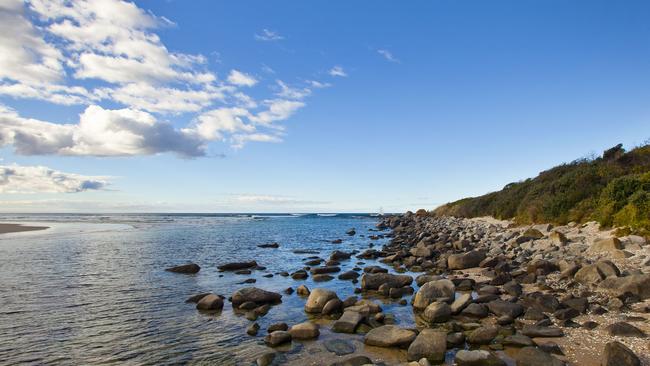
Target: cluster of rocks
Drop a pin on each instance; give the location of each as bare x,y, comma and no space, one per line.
484,286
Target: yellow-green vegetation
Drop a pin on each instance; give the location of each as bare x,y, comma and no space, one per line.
613,189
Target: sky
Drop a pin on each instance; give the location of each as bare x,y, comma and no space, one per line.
311,106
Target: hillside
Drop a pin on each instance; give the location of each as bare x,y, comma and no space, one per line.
613,189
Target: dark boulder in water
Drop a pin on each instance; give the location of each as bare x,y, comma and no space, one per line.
269,245
196,298
255,295
234,266
189,268
210,302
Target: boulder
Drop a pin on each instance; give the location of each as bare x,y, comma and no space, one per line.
302,290
277,338
518,340
210,302
338,255
558,238
474,310
589,275
500,307
234,266
637,284
437,312
606,245
431,291
390,336
372,281
332,306
340,347
466,260
540,331
430,344
322,278
255,295
483,335
461,302
348,322
318,298
189,268
196,298
269,245
306,330
325,270
478,358
253,329
353,361
532,356
624,329
349,275
617,354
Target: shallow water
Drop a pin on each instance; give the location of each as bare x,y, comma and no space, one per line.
92,289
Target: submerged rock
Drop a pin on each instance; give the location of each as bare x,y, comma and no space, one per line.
339,346
277,338
234,266
390,336
189,268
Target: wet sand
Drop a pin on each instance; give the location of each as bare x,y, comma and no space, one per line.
16,228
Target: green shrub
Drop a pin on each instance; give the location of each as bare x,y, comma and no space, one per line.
613,189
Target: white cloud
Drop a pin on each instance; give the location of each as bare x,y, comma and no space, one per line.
291,93
39,179
239,78
163,99
387,55
212,124
318,84
268,35
278,110
100,132
91,52
24,55
239,140
337,71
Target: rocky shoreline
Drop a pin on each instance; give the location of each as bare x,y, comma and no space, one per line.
482,292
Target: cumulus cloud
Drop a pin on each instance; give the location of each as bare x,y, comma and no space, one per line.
268,36
387,55
338,71
39,179
91,52
237,77
100,132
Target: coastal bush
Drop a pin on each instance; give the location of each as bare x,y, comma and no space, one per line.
613,189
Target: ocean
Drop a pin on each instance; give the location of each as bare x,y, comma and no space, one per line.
93,289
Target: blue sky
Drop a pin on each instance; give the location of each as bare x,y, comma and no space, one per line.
279,106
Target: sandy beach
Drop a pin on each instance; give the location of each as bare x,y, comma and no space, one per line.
16,228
